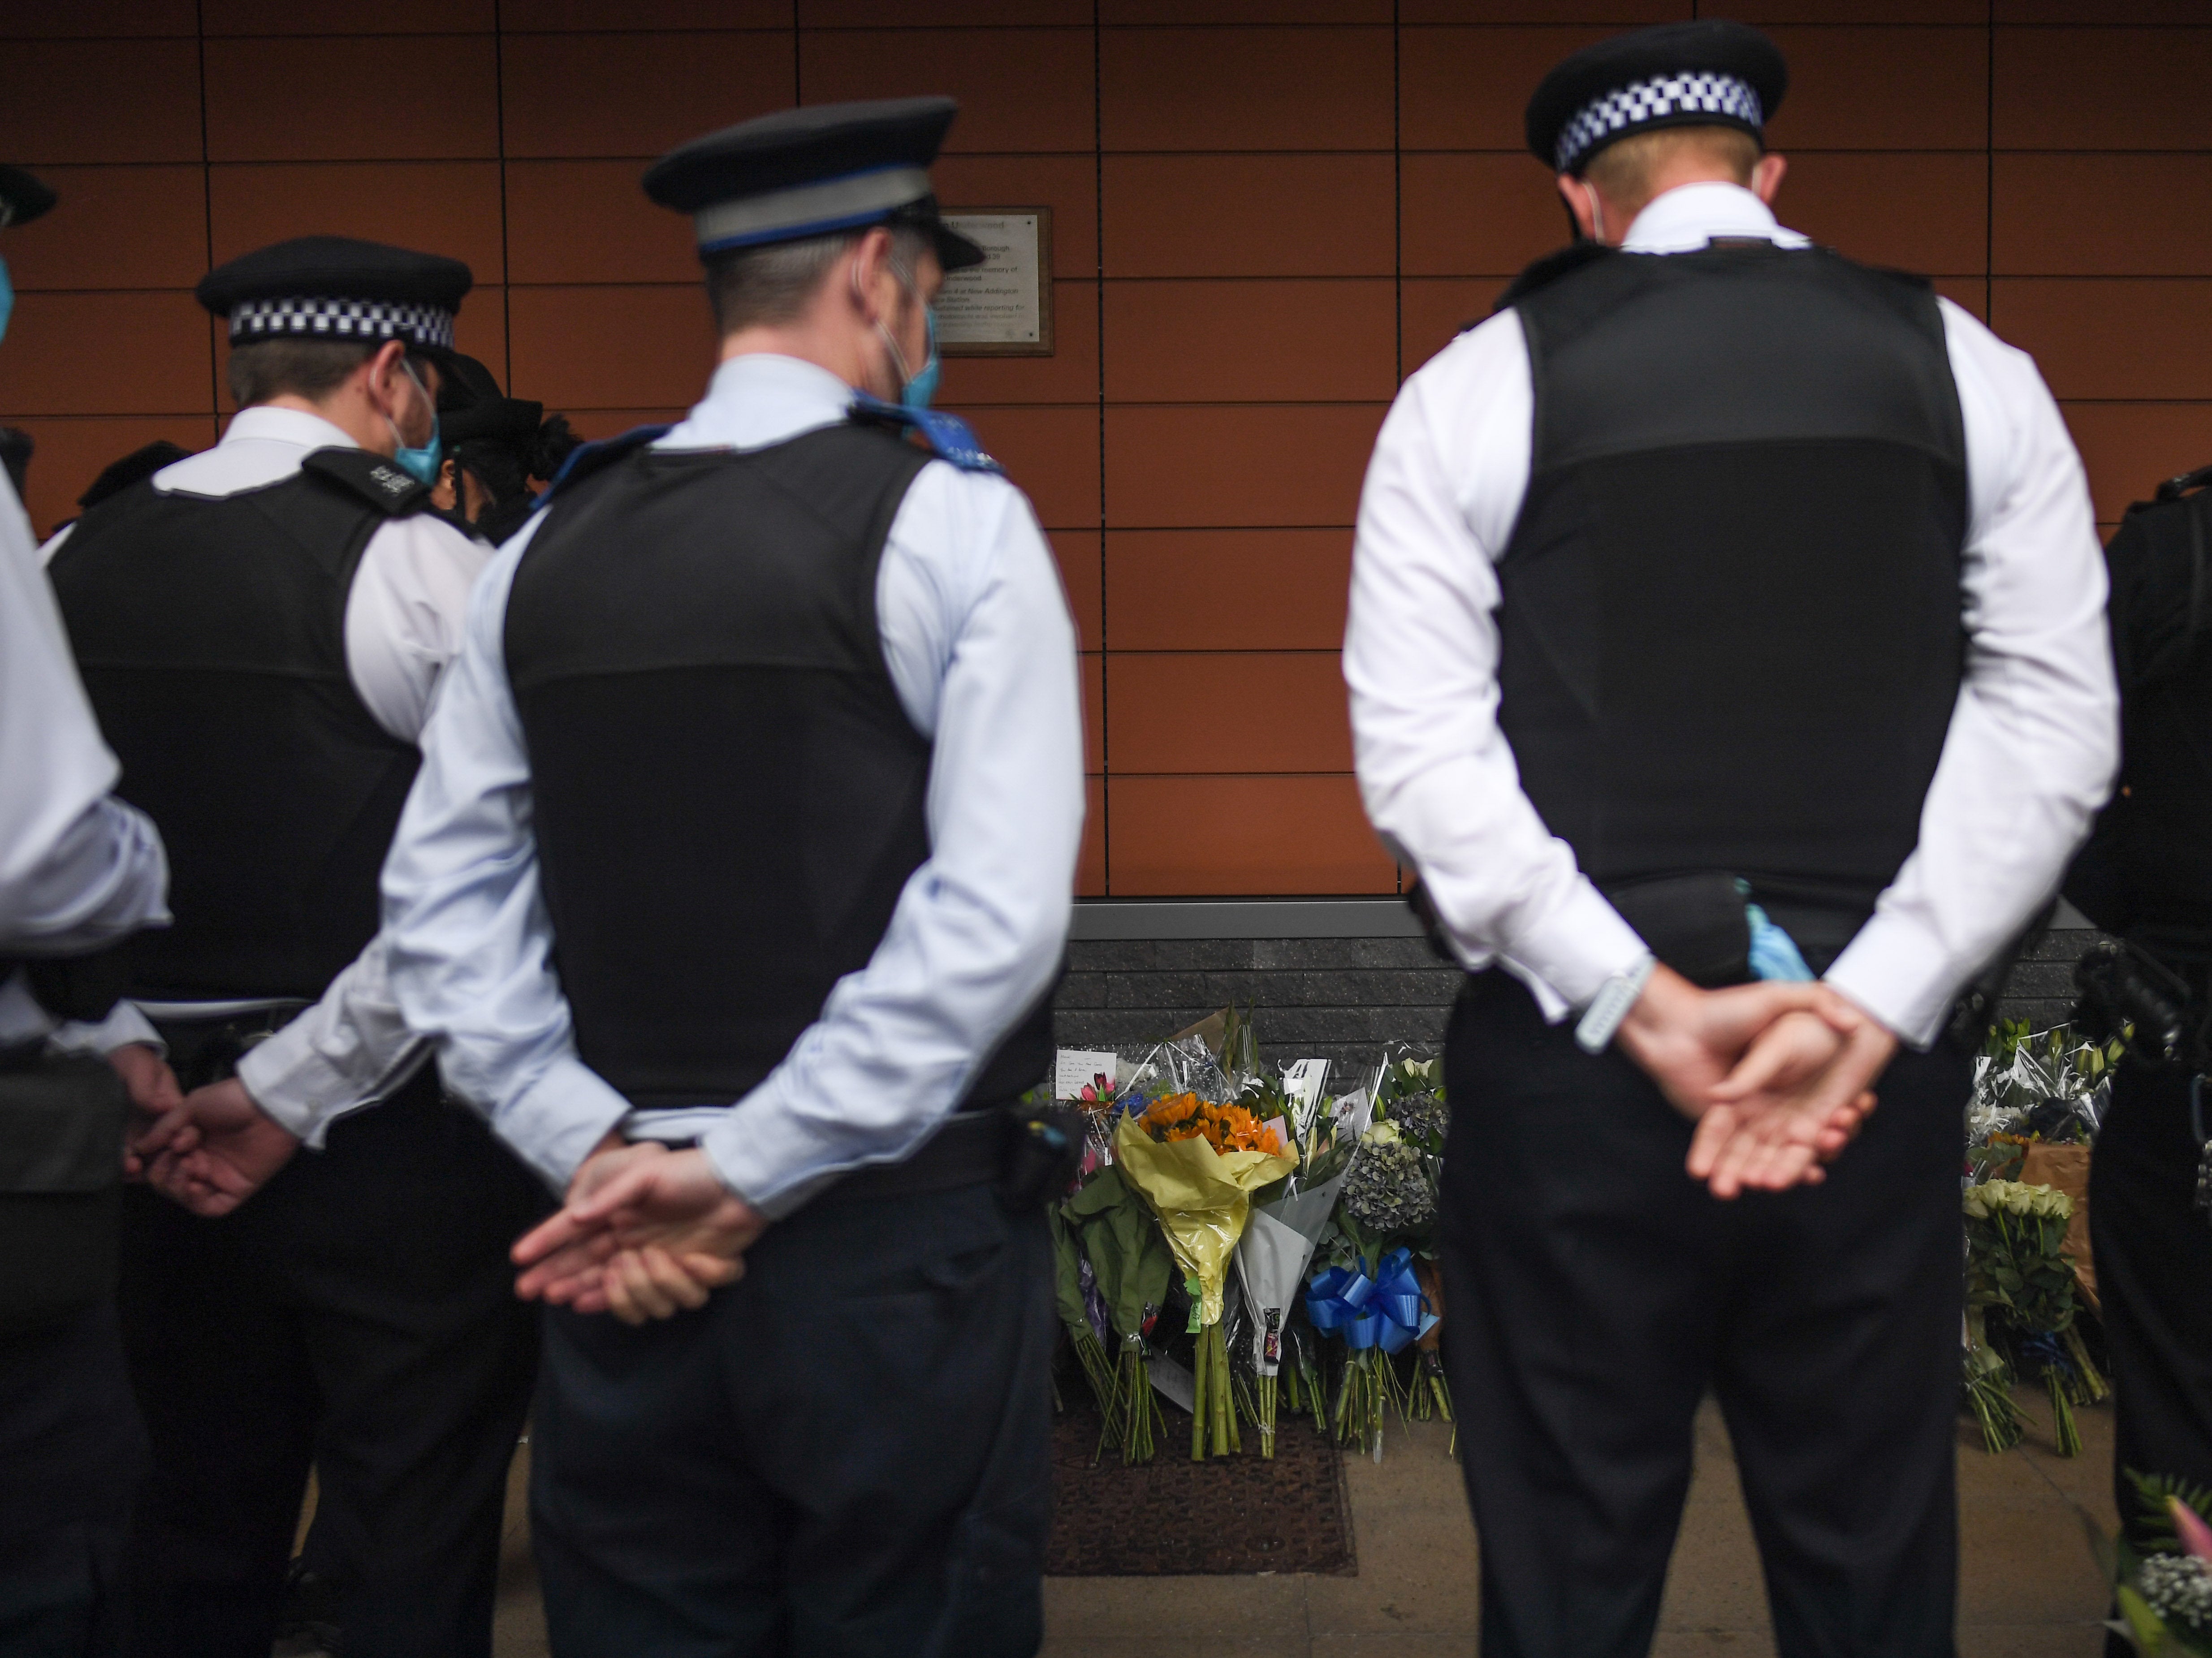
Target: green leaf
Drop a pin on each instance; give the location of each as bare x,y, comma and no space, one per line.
2144,1626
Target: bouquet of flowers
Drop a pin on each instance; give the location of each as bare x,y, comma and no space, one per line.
2020,1306
2050,1085
1196,1162
1132,1267
1287,1221
1370,1295
1073,1282
2165,1595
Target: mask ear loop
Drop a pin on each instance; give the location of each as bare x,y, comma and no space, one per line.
1597,212
408,369
898,357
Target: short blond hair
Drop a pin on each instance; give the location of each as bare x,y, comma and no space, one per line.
1624,169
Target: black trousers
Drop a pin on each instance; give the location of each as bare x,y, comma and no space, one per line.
72,1455
2154,1258
846,1453
358,1313
1596,1293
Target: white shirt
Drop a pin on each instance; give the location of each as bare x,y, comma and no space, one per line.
2034,740
980,650
78,868
403,626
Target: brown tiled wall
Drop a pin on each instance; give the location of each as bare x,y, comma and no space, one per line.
1265,212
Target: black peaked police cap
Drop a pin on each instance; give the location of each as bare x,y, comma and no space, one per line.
337,287
23,197
1707,73
814,172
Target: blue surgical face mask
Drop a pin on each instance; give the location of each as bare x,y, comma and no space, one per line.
7,298
419,464
917,391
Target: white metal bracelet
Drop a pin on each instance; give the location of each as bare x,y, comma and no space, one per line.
1593,1034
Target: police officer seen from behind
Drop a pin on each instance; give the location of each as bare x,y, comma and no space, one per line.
2147,877
79,872
1722,611
494,445
767,729
263,628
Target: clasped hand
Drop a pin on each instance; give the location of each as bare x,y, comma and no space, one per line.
1778,1077
210,1149
645,1233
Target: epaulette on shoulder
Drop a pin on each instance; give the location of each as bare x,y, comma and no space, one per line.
949,437
1913,279
377,481
2175,488
587,460
1551,268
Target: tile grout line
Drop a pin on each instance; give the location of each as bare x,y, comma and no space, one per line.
1098,261
1398,231
207,211
499,118
1990,173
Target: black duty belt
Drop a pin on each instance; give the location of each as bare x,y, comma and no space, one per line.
970,1150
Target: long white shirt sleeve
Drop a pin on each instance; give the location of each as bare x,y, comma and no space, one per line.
403,627
2031,750
78,869
980,650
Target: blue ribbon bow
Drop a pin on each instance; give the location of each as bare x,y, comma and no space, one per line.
1387,1311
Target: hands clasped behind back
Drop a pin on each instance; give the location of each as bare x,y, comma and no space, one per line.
646,1232
212,1151
1778,1077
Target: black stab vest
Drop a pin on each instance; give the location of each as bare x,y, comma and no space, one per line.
210,634
2148,872
728,796
1731,633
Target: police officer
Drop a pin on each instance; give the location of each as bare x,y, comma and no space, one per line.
262,627
494,445
1722,610
767,729
2146,876
79,871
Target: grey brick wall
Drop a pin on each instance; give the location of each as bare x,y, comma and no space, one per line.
2041,989
1342,999
1332,998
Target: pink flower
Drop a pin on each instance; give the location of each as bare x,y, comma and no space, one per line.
2196,1536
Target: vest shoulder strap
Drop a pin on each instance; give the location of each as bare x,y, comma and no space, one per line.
949,437
1552,267
589,460
390,491
2175,488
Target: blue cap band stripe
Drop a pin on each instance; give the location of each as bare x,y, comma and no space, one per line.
810,209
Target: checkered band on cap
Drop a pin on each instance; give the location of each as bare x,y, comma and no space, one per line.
342,319
1641,102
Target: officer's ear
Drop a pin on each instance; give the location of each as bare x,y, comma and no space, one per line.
1582,207
382,373
1766,178
876,286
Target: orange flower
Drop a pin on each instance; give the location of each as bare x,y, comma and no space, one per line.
1224,1128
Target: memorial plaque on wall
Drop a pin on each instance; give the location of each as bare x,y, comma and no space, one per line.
1003,307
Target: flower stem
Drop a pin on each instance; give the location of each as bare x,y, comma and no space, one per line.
2061,1413
1200,1406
